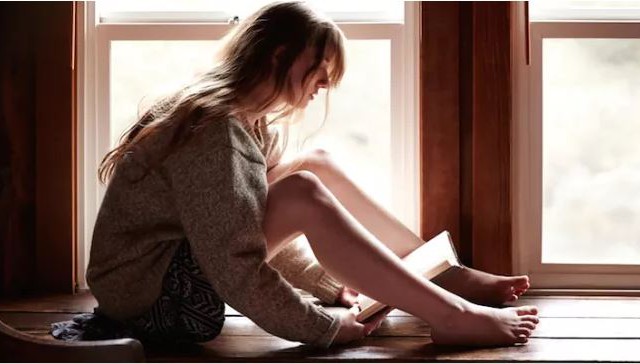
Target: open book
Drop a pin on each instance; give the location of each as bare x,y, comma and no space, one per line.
429,260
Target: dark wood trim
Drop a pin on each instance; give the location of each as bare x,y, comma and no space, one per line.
491,129
37,141
466,119
55,146
74,145
527,34
465,129
17,150
439,110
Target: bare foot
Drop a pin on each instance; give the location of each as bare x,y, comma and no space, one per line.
486,326
481,287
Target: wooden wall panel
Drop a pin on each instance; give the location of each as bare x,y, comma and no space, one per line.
465,70
38,243
439,111
17,151
54,149
491,129
465,134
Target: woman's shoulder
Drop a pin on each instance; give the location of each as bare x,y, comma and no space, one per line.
232,133
222,135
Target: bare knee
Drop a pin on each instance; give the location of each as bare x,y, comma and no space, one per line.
293,207
320,162
300,193
320,154
302,186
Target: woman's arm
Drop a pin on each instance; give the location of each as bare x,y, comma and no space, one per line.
284,168
301,270
304,272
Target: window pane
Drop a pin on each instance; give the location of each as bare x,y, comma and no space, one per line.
376,10
584,9
142,71
358,126
591,154
357,130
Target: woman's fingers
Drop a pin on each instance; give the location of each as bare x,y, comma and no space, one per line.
348,297
355,310
376,320
353,330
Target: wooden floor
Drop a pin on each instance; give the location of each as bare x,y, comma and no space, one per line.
577,329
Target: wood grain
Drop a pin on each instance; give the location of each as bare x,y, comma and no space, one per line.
37,142
55,146
17,151
439,112
491,137
465,110
580,329
595,307
81,302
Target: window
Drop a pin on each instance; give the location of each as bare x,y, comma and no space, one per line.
579,212
137,51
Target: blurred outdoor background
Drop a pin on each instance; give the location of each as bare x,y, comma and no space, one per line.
591,151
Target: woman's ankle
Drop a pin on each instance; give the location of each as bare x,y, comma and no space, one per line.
452,310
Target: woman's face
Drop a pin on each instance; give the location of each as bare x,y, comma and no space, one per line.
302,91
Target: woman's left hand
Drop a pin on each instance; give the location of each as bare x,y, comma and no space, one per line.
347,297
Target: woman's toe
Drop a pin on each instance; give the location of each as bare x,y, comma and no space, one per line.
530,318
528,324
527,310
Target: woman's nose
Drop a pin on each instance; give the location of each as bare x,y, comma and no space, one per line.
323,80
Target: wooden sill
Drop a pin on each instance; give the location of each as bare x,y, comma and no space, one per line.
580,329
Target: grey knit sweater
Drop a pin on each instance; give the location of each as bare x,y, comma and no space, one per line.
211,191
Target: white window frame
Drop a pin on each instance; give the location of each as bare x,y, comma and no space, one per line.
93,103
527,165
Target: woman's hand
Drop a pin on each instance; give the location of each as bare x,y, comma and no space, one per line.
347,297
351,330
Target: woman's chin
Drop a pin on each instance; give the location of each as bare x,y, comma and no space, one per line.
305,102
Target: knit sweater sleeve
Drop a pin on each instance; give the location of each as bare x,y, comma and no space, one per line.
304,272
220,195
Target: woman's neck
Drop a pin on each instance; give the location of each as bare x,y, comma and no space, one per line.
250,118
248,103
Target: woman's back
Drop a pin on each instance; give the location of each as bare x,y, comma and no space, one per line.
139,226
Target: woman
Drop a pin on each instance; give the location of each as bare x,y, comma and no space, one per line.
197,204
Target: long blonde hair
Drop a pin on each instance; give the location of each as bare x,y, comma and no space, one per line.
245,61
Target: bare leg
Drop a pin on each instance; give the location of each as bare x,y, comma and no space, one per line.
300,203
474,285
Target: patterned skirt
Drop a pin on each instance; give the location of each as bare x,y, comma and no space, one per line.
187,311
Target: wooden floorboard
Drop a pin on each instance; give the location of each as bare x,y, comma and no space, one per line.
81,302
579,329
619,307
411,349
562,328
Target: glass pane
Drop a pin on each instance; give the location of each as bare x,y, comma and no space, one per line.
142,71
591,154
584,4
357,129
542,10
391,10
358,125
